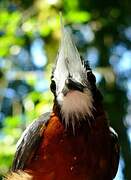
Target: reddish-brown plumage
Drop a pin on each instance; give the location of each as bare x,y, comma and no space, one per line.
65,156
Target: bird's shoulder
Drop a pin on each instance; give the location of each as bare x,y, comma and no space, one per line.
115,151
29,141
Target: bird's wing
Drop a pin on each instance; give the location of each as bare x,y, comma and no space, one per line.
115,152
29,141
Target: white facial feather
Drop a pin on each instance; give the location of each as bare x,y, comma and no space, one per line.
76,106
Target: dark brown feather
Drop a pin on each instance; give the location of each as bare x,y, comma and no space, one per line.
29,142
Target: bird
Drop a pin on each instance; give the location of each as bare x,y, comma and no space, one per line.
75,140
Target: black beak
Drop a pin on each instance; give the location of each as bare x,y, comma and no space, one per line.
74,85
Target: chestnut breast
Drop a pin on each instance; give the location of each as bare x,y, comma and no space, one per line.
63,155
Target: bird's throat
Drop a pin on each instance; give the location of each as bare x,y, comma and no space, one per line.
76,107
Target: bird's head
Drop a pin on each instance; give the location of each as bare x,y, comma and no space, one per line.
72,82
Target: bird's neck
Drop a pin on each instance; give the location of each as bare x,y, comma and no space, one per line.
98,119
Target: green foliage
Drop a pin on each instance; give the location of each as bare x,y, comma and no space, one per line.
78,16
8,25
9,136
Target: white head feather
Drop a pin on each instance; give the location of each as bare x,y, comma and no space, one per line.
74,103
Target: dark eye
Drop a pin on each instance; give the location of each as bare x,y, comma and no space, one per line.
53,86
91,78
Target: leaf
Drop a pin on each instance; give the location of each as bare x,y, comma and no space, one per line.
78,16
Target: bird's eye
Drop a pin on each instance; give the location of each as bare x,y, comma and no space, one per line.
53,86
91,78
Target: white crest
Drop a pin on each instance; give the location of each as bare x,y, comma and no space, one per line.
75,105
68,57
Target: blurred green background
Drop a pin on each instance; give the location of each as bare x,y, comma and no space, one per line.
29,39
